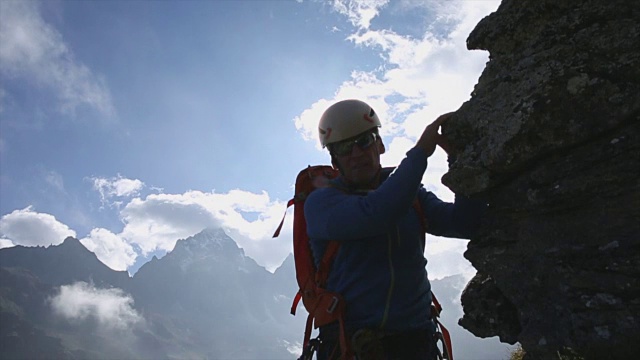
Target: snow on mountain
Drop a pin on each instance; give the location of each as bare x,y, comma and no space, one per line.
212,245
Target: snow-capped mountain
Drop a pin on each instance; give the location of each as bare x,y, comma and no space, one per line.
204,299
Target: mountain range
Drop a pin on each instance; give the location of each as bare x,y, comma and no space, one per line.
203,300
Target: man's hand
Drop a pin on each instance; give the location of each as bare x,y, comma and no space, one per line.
431,137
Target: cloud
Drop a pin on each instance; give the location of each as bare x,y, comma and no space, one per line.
29,228
446,258
110,248
362,85
293,348
157,221
6,243
359,12
33,50
111,308
118,187
55,180
307,122
422,77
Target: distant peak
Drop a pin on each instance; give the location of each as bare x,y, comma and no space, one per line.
71,241
211,231
73,244
209,239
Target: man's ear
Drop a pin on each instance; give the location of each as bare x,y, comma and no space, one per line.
381,148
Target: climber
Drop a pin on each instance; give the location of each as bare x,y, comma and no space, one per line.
377,215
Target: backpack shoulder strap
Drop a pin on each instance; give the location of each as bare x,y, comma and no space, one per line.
322,274
325,264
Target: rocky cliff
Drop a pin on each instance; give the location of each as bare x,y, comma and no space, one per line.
551,139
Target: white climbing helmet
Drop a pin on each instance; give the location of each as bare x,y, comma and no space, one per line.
346,119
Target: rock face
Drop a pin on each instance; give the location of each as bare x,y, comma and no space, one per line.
551,139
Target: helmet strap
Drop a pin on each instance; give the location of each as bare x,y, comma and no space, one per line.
336,165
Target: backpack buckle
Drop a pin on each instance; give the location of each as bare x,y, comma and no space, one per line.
334,304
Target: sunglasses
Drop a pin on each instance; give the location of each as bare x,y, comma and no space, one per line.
344,148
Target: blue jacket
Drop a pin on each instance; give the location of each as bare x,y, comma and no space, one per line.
380,266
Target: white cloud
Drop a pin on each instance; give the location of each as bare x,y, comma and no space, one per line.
293,348
118,187
423,77
110,248
33,50
29,228
364,86
6,243
112,308
359,12
157,221
446,258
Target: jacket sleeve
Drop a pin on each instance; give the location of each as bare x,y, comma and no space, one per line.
332,214
459,219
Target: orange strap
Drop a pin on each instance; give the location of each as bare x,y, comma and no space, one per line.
437,308
277,232
296,300
321,279
447,339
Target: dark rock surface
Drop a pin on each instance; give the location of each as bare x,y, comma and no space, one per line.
551,139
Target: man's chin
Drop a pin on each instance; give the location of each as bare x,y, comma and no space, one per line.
362,178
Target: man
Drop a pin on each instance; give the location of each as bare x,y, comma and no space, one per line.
380,267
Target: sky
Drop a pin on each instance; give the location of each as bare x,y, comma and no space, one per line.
132,124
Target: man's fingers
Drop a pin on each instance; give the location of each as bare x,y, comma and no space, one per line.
444,144
441,119
431,138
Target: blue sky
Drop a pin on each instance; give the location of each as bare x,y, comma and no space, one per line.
131,124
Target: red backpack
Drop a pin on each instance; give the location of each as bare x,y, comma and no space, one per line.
325,307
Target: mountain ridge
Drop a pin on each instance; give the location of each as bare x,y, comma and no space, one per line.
68,261
204,299
206,284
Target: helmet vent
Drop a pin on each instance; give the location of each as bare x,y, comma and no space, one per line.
369,117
